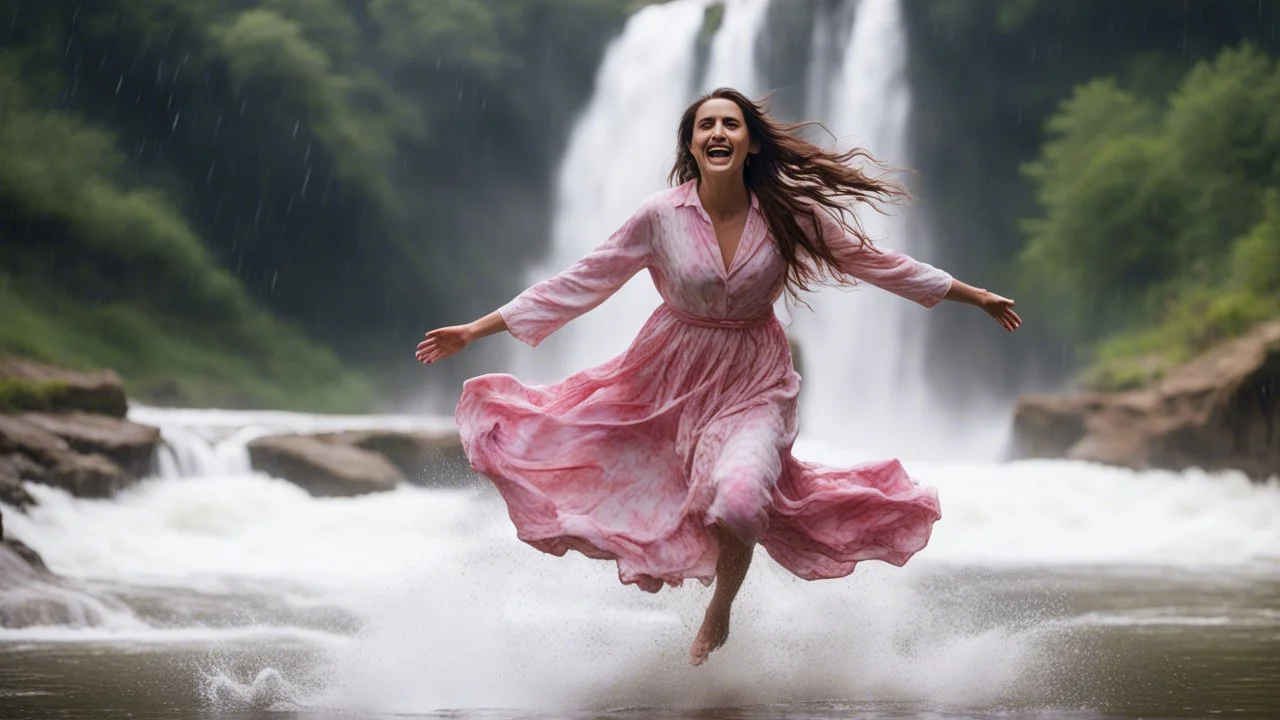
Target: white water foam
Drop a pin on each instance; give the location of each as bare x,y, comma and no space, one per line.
208,442
455,613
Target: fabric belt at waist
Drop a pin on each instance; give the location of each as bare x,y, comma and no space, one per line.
731,323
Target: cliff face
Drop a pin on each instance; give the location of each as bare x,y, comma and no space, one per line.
1219,411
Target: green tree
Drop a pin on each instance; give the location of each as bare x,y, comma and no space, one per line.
1159,233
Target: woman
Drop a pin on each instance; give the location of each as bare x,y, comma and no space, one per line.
674,458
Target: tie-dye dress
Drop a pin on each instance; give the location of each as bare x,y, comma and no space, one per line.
636,460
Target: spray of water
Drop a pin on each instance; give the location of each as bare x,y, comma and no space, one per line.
418,600
453,612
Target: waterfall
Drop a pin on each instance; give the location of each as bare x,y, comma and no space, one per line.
619,153
733,52
864,380
862,348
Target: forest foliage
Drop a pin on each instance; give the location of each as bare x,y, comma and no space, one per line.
264,202
1161,226
1113,164
237,202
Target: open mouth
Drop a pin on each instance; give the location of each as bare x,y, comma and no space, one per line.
719,152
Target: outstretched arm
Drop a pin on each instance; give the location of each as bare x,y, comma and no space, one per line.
546,307
1000,308
446,341
905,276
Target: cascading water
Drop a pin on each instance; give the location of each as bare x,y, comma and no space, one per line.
733,51
864,371
862,349
619,153
254,594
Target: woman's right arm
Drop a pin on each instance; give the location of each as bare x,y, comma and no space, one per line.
547,306
446,341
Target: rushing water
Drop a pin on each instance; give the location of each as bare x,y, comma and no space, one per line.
619,153
863,349
1049,589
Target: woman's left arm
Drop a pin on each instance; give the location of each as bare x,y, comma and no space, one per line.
1000,308
907,277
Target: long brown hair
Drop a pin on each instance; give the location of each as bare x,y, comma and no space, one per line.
791,177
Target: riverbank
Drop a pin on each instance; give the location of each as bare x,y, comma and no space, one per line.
73,431
1220,411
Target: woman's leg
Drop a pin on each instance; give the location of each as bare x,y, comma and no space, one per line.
731,570
744,473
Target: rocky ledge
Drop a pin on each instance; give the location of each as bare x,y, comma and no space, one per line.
359,461
27,386
67,429
1221,411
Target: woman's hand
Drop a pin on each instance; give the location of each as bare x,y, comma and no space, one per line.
447,341
1000,308
442,343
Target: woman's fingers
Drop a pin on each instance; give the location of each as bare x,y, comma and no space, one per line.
439,344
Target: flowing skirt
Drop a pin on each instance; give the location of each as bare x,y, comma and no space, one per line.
637,460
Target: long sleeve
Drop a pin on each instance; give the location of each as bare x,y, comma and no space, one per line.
888,270
547,306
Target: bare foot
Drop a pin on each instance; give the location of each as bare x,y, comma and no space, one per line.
713,633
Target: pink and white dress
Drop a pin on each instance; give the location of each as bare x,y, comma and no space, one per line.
637,459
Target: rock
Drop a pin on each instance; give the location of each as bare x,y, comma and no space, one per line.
13,470
427,458
127,444
20,436
324,469
27,555
24,553
29,386
1047,426
1220,411
14,495
21,467
33,596
89,475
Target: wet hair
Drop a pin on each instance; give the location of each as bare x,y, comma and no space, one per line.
793,178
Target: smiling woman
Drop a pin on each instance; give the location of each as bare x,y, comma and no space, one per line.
674,458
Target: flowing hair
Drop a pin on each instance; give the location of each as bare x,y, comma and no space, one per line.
792,178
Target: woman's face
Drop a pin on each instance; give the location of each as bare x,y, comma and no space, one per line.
720,143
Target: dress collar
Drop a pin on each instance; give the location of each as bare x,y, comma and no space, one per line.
687,195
